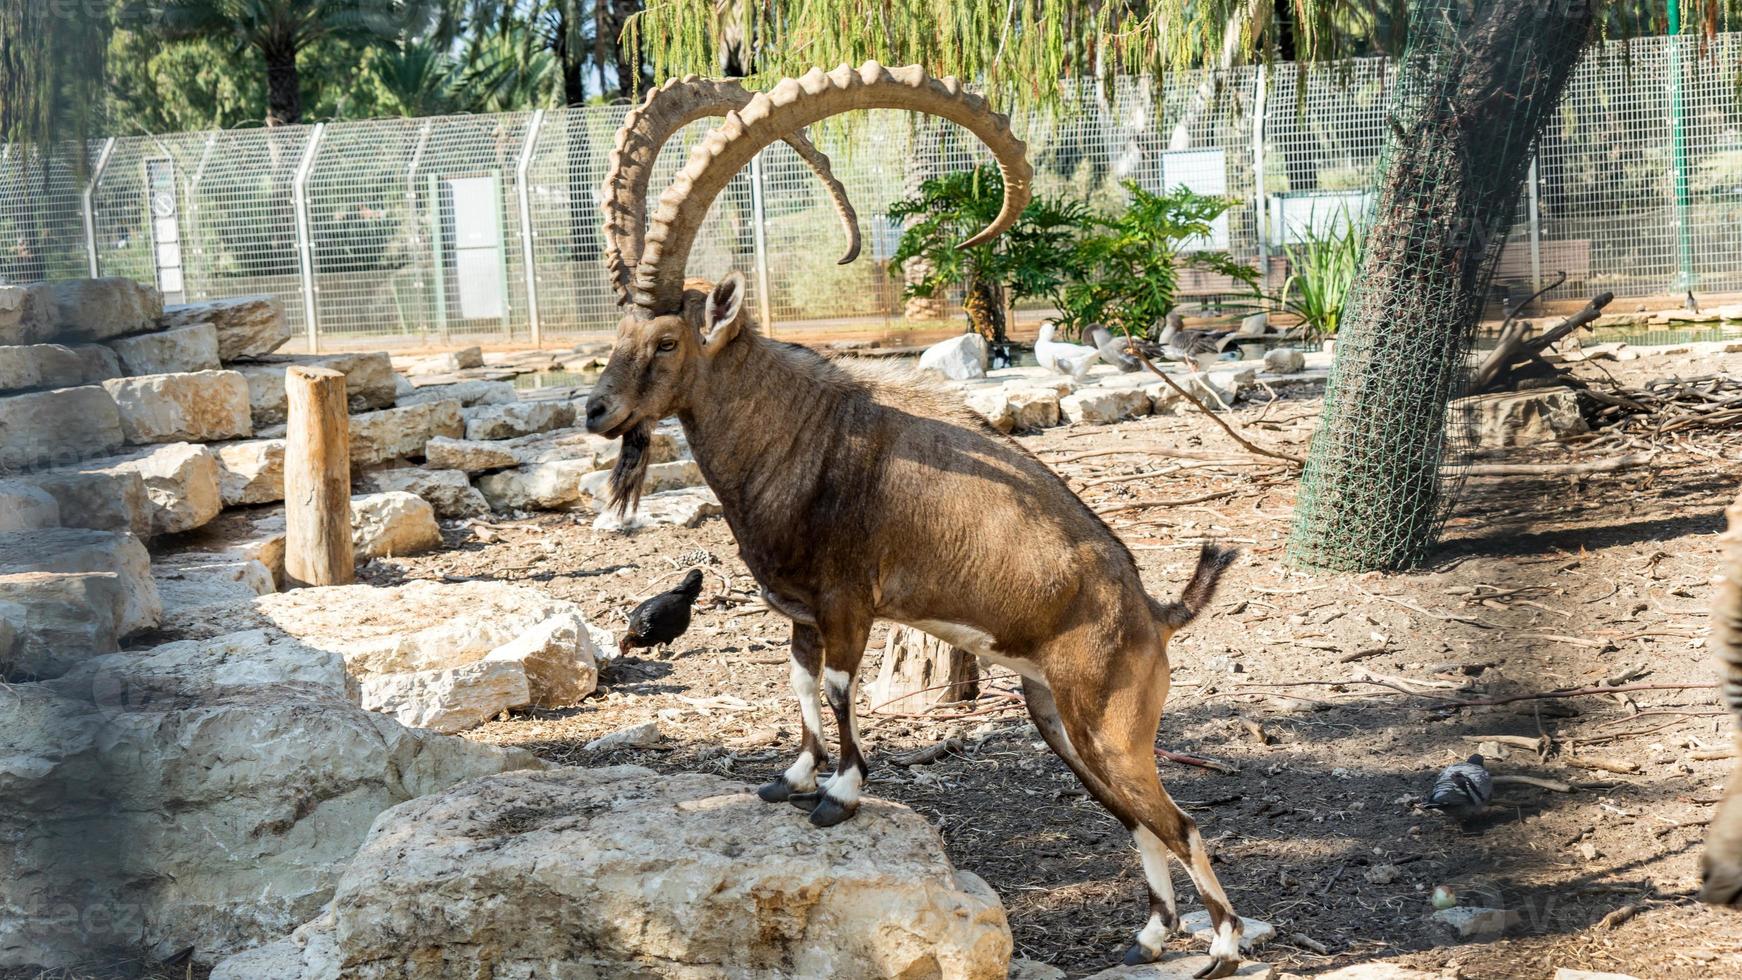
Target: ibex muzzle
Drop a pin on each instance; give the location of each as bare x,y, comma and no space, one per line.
855,499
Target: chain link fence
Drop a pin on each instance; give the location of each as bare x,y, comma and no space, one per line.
484,228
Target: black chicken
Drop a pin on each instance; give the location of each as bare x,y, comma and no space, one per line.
664,617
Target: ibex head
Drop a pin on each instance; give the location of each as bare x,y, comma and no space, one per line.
674,331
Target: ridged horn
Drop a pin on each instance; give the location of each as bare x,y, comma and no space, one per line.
787,108
646,128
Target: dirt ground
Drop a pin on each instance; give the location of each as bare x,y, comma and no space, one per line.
1332,698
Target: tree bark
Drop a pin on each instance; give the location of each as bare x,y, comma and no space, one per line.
983,301
317,479
283,86
920,671
1480,82
629,77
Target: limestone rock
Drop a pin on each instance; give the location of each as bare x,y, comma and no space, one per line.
203,793
1516,418
191,583
368,381
678,474
54,366
102,499
674,508
57,427
1469,921
575,445
1101,406
25,505
1034,970
179,479
448,491
1182,968
98,309
445,363
993,405
1377,970
392,523
960,358
602,872
643,736
393,433
1284,360
445,656
515,419
189,348
555,485
1033,406
247,326
467,393
251,471
56,620
198,406
26,314
74,550
1254,933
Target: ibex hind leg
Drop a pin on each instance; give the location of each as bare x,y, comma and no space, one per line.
844,639
807,664
1115,738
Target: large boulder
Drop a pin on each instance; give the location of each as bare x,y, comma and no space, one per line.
189,348
57,427
54,366
678,474
76,550
450,492
1033,406
439,655
191,583
102,499
251,471
24,506
1101,406
247,326
56,620
567,445
556,485
958,359
197,406
395,433
1516,418
624,872
26,315
393,523
672,508
514,419
368,381
467,393
204,793
98,309
992,403
179,480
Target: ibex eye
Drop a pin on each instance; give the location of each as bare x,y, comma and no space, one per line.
667,345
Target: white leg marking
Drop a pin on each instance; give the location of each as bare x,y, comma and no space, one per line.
1226,945
843,786
1155,866
802,775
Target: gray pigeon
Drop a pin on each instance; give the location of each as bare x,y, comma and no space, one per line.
1462,790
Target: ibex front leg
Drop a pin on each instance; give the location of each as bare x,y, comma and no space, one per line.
844,636
807,666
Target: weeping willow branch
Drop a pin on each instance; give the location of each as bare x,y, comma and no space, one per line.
51,69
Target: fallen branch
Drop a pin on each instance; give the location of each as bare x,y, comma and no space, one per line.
1188,396
1192,760
929,754
1561,469
1140,504
1552,785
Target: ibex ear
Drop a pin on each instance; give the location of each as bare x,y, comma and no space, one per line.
724,315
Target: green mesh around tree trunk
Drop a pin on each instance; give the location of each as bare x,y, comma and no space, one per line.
1477,85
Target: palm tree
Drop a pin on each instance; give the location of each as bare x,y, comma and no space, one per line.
51,72
279,30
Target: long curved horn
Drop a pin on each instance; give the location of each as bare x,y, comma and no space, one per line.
787,108
645,130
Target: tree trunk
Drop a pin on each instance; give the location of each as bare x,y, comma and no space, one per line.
603,33
629,77
1480,81
570,59
283,87
983,301
920,671
317,479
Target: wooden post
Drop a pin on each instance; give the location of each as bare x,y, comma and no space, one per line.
317,479
920,671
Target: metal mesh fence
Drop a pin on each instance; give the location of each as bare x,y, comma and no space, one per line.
421,230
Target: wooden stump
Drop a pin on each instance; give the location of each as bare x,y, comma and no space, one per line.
317,479
920,671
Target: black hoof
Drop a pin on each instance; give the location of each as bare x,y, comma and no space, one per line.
1222,966
1137,956
777,791
830,812
806,801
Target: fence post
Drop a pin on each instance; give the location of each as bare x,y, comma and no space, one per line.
304,244
1535,232
759,228
1261,214
520,169
90,212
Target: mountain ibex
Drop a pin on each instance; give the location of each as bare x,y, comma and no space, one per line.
855,498
1721,867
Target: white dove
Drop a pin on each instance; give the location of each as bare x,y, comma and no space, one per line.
1071,359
